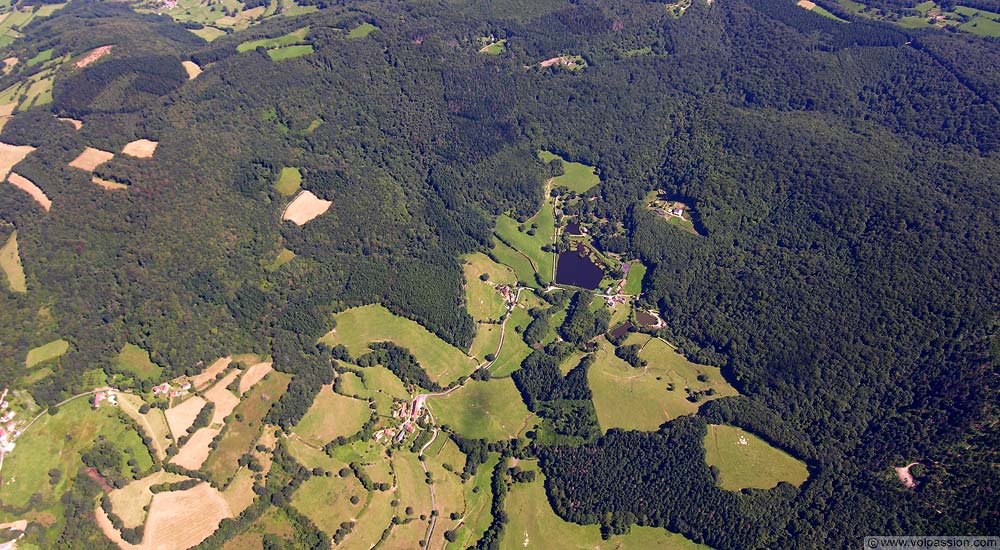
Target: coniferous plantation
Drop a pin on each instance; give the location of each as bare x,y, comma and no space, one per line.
842,182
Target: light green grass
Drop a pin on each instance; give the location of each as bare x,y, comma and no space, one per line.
613,383
577,177
411,489
514,348
449,493
136,360
380,384
819,9
509,230
482,299
47,352
491,409
496,48
10,263
42,57
633,284
913,22
486,341
362,30
289,181
288,52
332,415
521,265
533,524
982,23
284,256
290,39
56,442
478,497
357,327
745,460
208,34
326,500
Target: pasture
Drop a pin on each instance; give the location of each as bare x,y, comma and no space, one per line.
135,360
47,352
491,409
529,238
495,48
477,515
153,423
481,297
578,177
486,341
514,348
449,492
357,327
613,382
362,30
633,283
747,461
304,208
533,524
284,256
332,415
291,39
521,264
327,500
289,181
10,264
288,52
380,384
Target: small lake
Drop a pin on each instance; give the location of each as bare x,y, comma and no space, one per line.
573,228
576,269
646,319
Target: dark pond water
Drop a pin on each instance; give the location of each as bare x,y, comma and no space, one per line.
645,319
573,228
578,270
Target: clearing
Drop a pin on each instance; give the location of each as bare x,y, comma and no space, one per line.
332,415
192,68
633,283
10,155
305,207
289,181
91,158
140,148
288,52
136,360
30,188
357,327
529,237
293,38
182,519
482,299
495,48
745,460
77,124
284,256
108,184
10,264
362,30
254,373
182,416
491,409
93,56
47,352
577,177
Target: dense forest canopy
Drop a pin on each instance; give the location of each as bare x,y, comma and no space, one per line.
845,178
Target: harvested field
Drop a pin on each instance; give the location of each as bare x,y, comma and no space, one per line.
108,184
208,375
93,56
129,501
10,264
304,207
104,522
806,4
140,148
195,452
10,155
77,124
30,188
182,519
91,158
192,68
9,63
181,417
224,399
252,375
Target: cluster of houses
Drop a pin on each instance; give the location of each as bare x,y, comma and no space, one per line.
107,394
9,430
509,295
164,390
409,415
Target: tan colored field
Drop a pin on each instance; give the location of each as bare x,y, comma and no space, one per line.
192,68
550,62
208,375
93,56
239,494
77,124
141,148
806,4
252,375
30,188
224,399
91,158
9,63
108,184
182,519
181,417
10,264
129,501
109,530
304,207
195,452
10,155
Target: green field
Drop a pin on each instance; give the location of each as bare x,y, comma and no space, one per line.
577,177
491,409
514,349
496,48
291,39
521,264
284,256
332,415
10,263
289,180
745,460
477,516
327,500
56,442
208,34
380,384
613,383
819,9
154,422
449,491
357,327
47,352
482,299
509,230
533,524
288,52
411,489
136,360
486,341
42,57
362,30
633,285
981,22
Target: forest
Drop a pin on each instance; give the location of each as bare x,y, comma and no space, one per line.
844,177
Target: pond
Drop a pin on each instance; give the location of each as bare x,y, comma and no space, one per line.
646,319
576,269
573,228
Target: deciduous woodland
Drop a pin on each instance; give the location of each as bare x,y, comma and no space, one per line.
843,271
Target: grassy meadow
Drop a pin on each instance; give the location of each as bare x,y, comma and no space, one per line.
10,264
633,284
362,30
289,180
747,461
509,230
578,177
491,409
136,360
514,348
332,415
482,299
47,352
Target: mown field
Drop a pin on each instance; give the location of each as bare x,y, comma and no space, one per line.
542,224
46,352
289,181
633,283
491,409
136,360
10,264
332,415
578,177
747,461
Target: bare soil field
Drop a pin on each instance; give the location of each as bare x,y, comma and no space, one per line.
252,375
76,123
304,207
806,4
10,155
224,399
108,184
9,63
30,188
195,452
129,501
93,56
140,148
104,522
91,158
208,375
905,476
181,417
182,519
192,68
